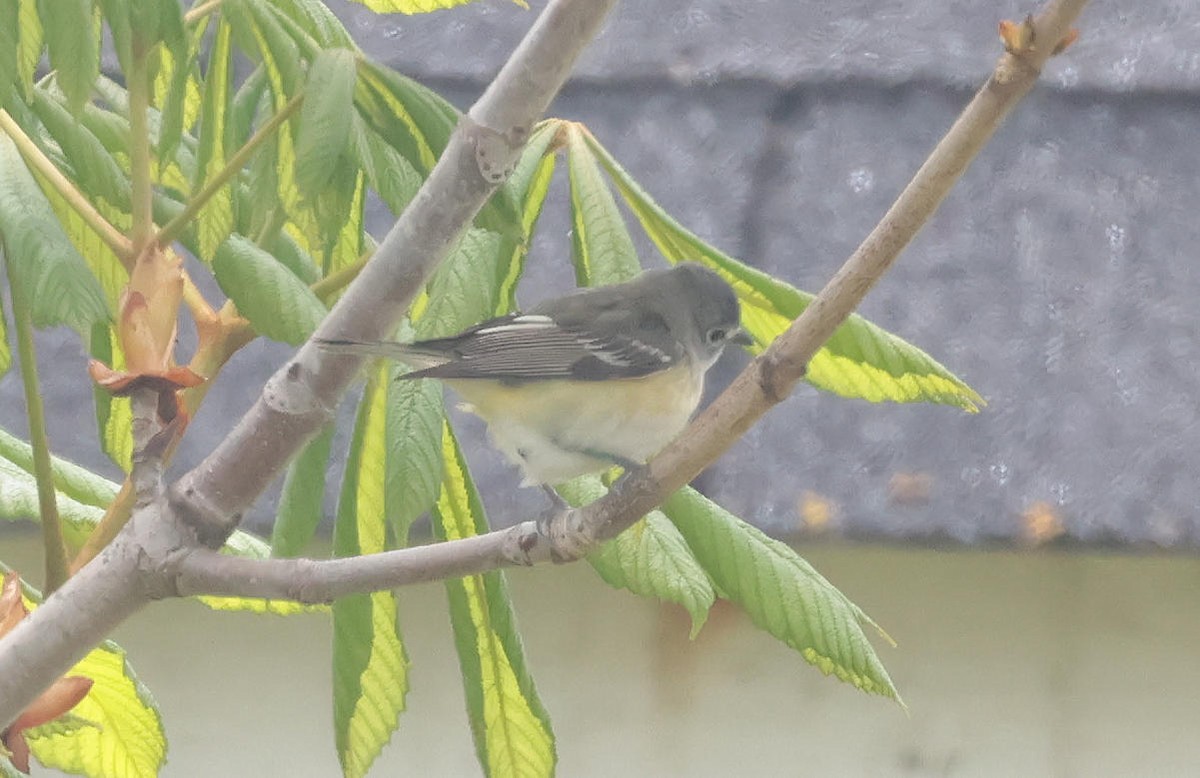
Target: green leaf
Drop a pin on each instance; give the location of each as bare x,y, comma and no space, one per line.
54,276
417,123
529,183
72,37
339,210
100,259
95,170
414,457
19,502
316,21
603,251
417,6
10,26
31,42
5,350
215,220
650,559
277,303
780,592
281,62
370,667
464,289
301,505
177,93
860,360
324,119
127,739
70,480
511,728
388,173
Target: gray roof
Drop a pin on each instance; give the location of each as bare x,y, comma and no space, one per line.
1059,279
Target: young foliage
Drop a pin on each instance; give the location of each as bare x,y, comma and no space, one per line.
370,667
650,559
780,592
511,728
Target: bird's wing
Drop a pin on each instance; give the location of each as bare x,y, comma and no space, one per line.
532,347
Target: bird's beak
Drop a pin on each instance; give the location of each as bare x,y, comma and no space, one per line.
742,338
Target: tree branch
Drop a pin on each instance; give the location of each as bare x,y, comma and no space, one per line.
766,381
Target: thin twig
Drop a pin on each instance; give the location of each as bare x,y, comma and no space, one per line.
57,569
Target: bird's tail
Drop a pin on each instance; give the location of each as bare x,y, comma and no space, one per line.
388,349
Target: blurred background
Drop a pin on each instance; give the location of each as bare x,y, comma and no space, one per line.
1035,561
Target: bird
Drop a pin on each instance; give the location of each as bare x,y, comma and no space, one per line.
602,376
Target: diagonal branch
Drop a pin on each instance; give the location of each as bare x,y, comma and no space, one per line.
765,382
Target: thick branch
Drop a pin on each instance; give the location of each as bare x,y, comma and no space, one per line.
766,381
299,399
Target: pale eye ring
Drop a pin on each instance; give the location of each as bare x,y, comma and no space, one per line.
715,335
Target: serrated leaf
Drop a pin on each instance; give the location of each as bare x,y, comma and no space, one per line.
418,6
281,62
302,502
511,728
100,258
70,480
602,248
860,360
324,119
215,220
414,458
388,173
464,288
339,210
529,183
650,559
417,122
72,37
127,740
95,171
5,350
31,42
370,667
277,303
780,592
177,93
316,20
53,275
19,502
10,26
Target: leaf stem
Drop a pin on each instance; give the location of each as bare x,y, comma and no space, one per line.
33,156
173,228
140,174
200,10
57,569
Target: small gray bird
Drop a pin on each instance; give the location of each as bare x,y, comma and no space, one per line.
602,376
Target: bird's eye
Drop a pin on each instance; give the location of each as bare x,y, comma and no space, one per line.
715,336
